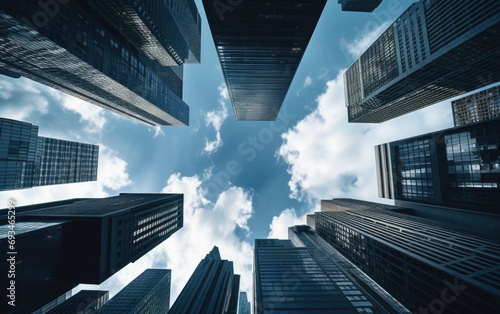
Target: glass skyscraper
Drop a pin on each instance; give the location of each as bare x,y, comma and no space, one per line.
212,289
457,167
305,274
480,106
434,51
424,265
260,45
243,304
149,293
28,160
125,56
64,243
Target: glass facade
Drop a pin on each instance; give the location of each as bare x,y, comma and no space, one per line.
212,289
98,55
423,266
27,160
429,54
84,302
40,269
298,279
477,107
260,45
149,293
457,167
244,305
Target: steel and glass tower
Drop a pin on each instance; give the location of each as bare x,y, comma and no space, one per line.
434,51
149,293
85,301
243,304
64,243
457,167
125,56
212,289
28,160
305,274
424,265
260,45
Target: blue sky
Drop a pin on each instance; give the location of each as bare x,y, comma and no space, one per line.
241,180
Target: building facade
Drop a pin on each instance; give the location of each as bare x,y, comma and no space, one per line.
359,5
480,106
56,251
213,288
424,266
429,54
125,56
149,293
28,160
305,274
243,304
260,45
457,167
84,302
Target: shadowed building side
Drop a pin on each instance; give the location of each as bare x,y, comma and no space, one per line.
260,45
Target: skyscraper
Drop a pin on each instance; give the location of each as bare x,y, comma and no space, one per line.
125,56
85,301
480,106
457,167
359,5
149,293
304,275
260,45
213,288
64,243
429,54
243,305
28,160
424,265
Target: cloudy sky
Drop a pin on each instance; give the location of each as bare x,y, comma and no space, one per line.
241,180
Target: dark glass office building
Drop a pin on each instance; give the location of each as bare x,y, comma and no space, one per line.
64,243
84,302
212,289
480,106
427,267
125,56
28,160
260,45
243,304
149,293
306,275
457,167
434,51
359,5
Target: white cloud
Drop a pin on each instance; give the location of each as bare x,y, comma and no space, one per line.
157,130
112,170
215,118
21,99
207,224
93,116
328,157
364,40
279,225
307,82
112,174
